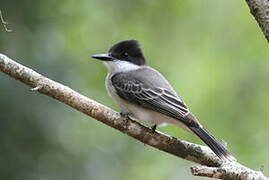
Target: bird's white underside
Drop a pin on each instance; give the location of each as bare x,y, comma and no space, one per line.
140,114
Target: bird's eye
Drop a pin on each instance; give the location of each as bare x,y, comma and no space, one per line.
125,54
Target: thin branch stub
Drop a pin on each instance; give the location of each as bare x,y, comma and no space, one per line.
36,88
4,23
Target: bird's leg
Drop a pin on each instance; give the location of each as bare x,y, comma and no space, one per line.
126,117
153,128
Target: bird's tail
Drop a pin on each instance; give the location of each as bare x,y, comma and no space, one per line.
216,146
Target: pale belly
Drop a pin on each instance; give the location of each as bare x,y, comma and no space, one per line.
138,113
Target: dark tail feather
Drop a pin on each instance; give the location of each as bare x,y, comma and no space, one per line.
216,146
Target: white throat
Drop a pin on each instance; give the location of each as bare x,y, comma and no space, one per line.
120,66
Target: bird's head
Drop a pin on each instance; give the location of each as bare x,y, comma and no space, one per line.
128,51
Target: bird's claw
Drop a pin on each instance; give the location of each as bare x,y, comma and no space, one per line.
153,128
125,116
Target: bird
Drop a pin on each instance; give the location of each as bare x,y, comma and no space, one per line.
144,94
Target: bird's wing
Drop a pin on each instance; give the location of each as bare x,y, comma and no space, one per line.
155,93
145,94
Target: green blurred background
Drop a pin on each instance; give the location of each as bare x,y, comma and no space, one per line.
218,62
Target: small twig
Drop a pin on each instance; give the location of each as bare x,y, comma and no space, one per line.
4,23
212,172
262,168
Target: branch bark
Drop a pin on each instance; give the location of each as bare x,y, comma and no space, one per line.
260,10
212,165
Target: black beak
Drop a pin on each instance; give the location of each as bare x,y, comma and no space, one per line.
103,57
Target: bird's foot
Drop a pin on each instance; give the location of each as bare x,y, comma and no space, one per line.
153,128
126,117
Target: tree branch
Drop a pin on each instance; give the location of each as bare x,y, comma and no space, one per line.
260,10
185,150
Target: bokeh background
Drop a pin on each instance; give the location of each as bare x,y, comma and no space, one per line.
213,52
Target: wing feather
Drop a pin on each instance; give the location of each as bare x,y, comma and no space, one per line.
154,98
